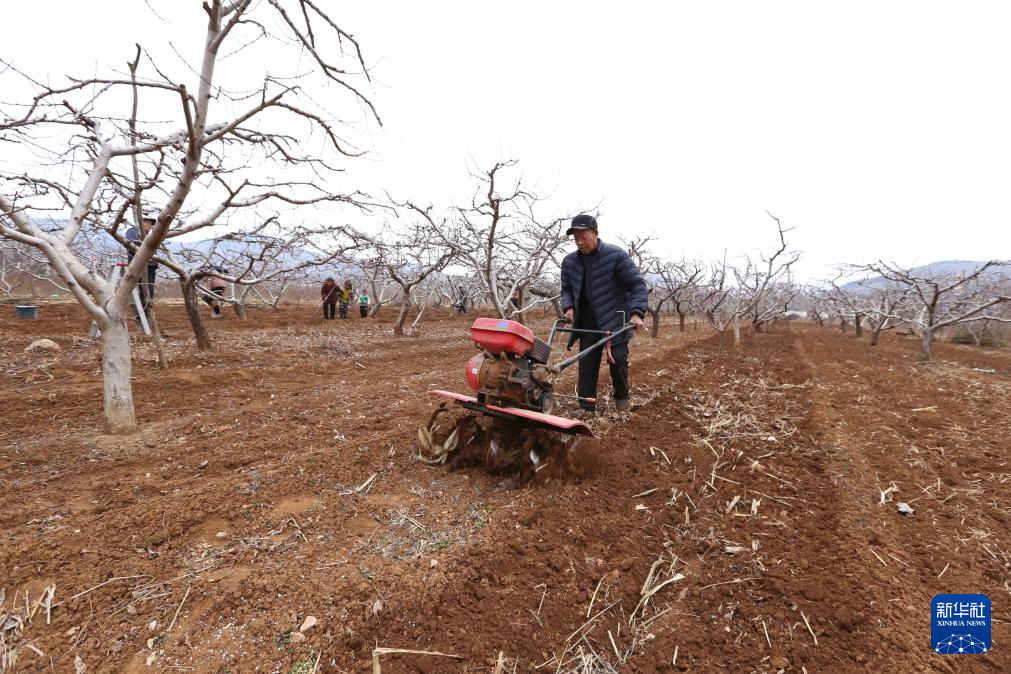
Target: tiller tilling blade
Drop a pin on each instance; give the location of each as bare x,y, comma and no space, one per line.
525,417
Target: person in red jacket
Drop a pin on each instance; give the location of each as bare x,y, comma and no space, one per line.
329,293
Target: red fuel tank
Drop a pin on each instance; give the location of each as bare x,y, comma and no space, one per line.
497,335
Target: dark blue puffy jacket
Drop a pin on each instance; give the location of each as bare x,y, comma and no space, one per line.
615,282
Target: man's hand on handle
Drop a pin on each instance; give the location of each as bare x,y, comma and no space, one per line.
636,319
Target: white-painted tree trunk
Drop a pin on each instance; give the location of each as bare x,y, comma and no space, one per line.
928,339
405,306
421,312
737,328
116,374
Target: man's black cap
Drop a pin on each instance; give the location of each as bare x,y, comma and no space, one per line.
583,221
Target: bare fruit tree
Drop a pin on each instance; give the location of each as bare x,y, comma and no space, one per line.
884,309
847,303
384,289
212,151
768,285
13,262
454,290
652,268
409,254
720,301
248,260
941,300
883,306
502,240
760,290
681,278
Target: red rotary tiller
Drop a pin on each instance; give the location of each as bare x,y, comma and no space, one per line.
511,376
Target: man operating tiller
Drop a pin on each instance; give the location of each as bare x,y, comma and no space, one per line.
601,289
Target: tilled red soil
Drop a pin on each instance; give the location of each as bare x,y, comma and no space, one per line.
732,522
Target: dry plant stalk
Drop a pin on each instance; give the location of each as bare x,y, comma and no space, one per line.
813,635
376,652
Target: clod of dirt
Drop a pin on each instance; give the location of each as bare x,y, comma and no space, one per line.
905,508
308,623
43,346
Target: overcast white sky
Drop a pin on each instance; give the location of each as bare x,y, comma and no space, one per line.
875,129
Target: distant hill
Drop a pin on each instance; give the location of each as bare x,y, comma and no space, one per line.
942,268
104,244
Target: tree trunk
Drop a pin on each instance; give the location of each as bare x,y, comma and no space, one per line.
117,386
928,339
240,307
842,325
681,321
152,321
377,299
875,336
858,325
417,319
737,329
654,329
398,327
519,318
192,303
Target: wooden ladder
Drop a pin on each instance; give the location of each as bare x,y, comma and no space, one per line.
114,277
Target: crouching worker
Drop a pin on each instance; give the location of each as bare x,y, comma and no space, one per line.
216,286
599,282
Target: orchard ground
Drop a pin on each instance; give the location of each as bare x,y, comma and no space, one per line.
742,518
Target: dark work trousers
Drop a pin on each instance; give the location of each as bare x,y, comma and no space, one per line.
215,304
329,311
363,309
589,369
145,283
344,310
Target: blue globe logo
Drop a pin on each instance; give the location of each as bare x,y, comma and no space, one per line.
960,643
